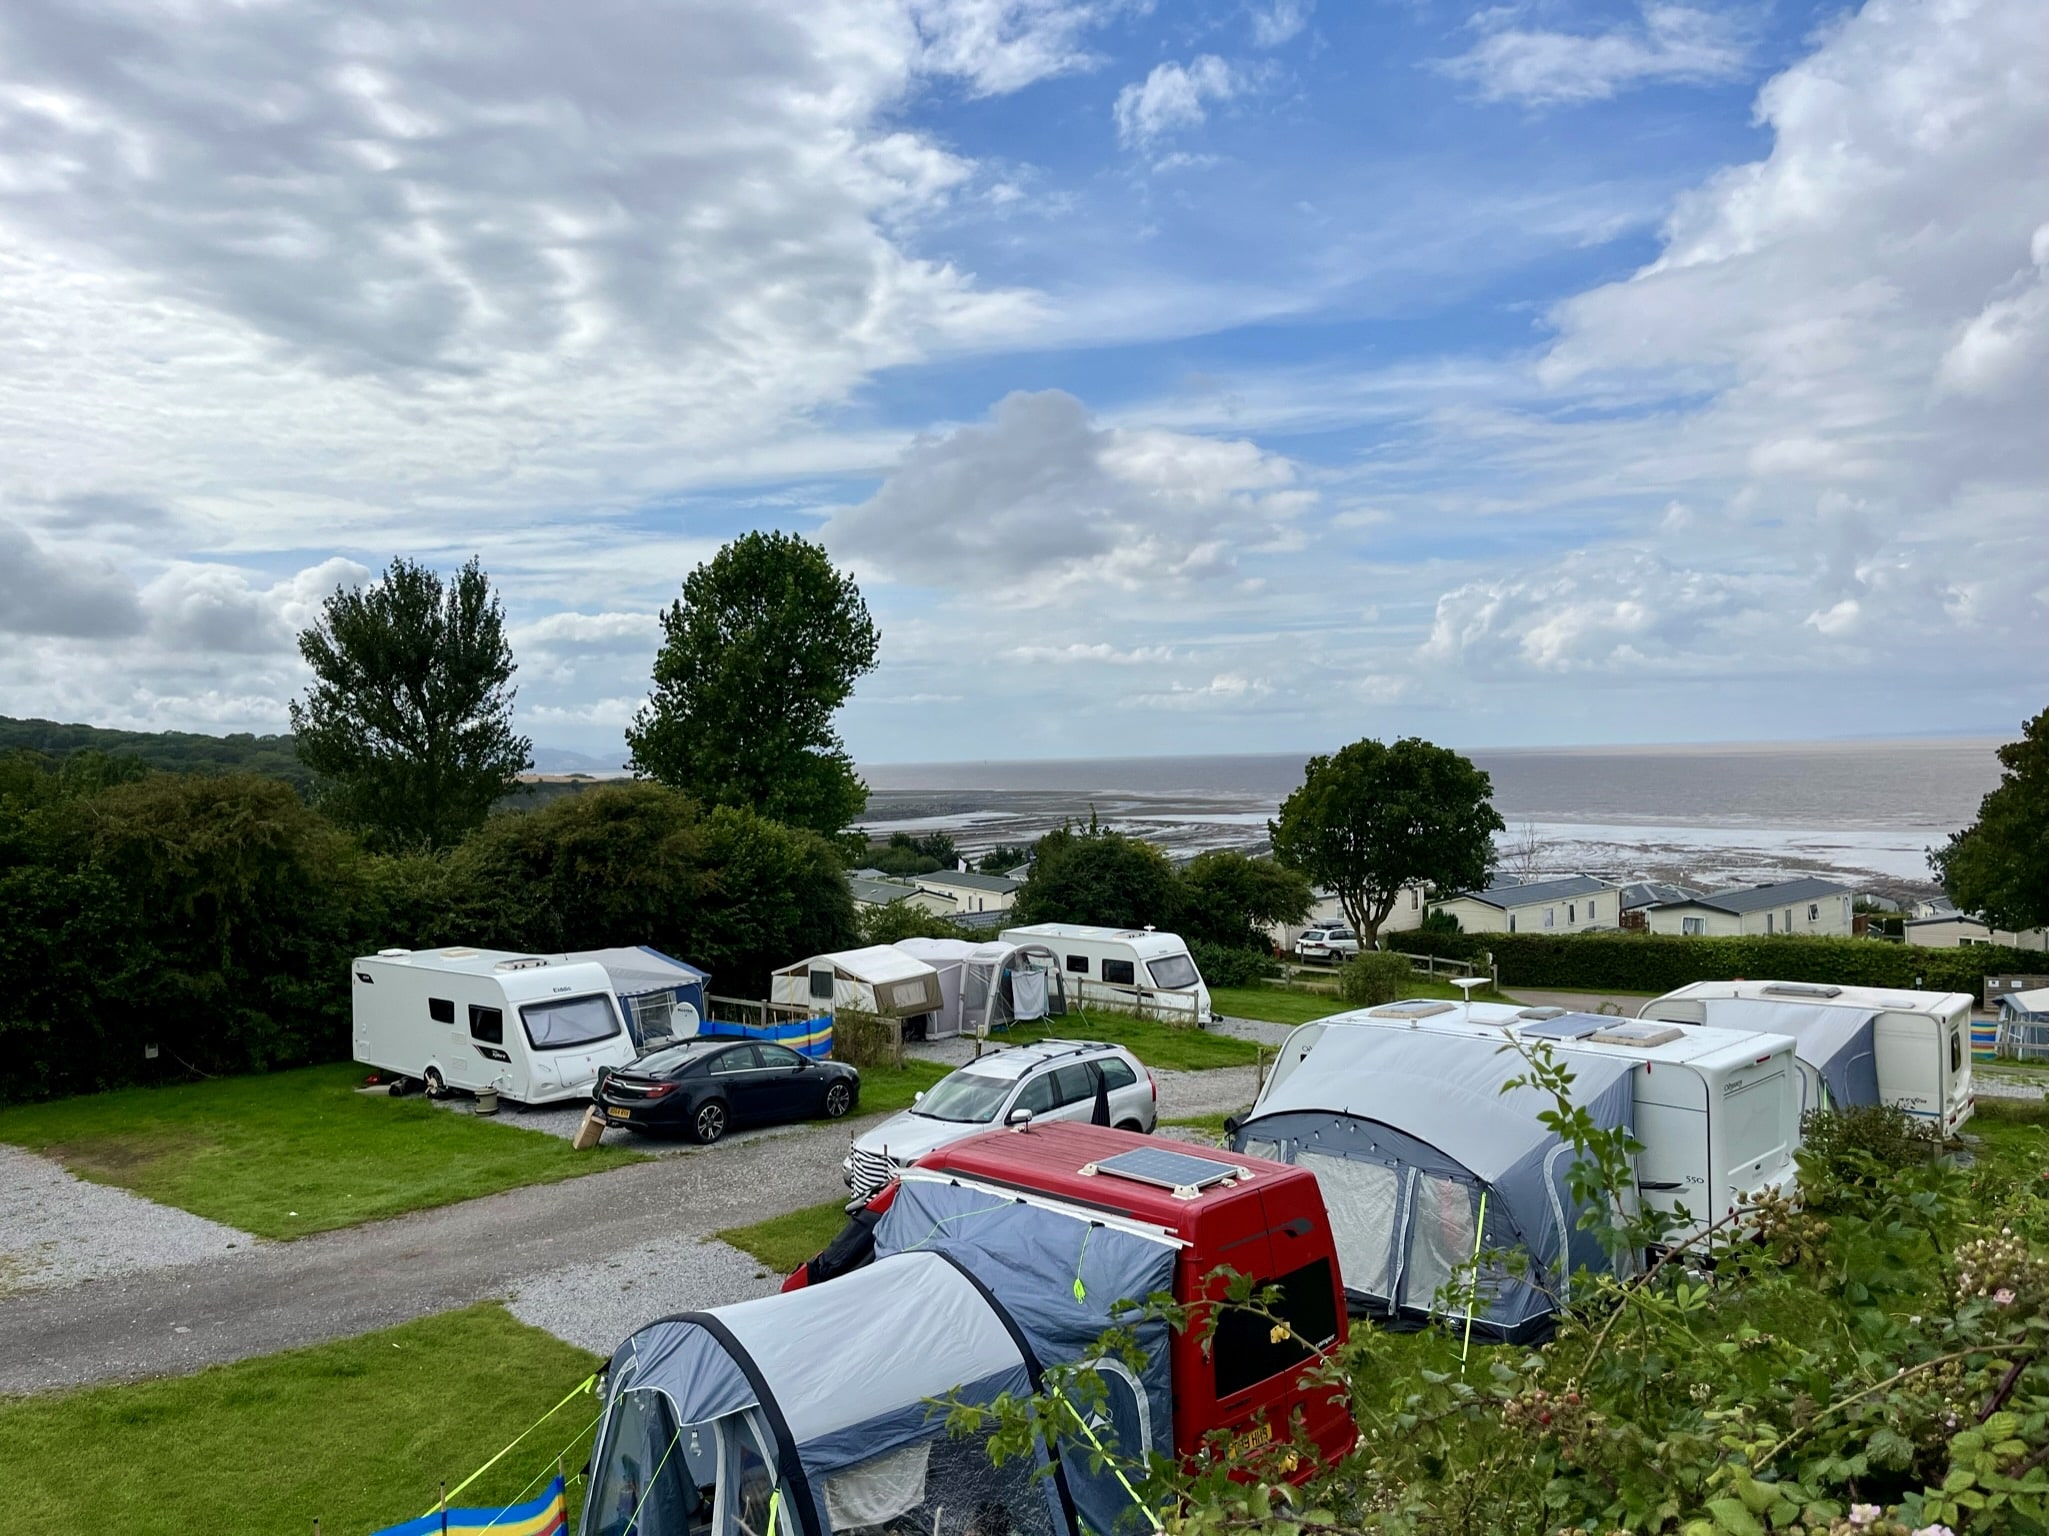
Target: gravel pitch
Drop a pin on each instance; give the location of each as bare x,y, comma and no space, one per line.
57,1229
1988,1085
597,1304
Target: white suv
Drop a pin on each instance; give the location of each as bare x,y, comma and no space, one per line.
1335,945
1054,1079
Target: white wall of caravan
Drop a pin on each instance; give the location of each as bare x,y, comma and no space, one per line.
412,1013
1092,947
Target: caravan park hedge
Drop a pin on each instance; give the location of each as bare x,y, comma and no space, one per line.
1655,962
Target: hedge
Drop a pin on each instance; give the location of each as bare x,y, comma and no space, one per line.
1656,962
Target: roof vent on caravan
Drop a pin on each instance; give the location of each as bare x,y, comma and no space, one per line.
459,953
1542,1013
523,963
1636,1032
392,954
1411,1010
1801,989
1181,1172
1561,1026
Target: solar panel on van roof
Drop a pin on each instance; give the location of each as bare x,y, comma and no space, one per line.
1566,1028
1184,1173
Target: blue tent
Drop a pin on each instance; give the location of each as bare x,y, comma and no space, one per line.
1058,1271
1836,1046
1426,1165
818,1411
662,997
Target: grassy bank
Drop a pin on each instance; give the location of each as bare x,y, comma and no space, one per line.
885,1090
1172,1047
290,1153
359,1434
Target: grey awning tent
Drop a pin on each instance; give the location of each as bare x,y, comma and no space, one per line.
1415,1145
1059,1270
814,1405
949,958
1834,1043
661,996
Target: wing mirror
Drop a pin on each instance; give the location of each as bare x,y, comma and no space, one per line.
1019,1119
918,1097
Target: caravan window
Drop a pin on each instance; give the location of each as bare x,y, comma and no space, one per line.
821,985
1362,1199
1244,1350
1079,964
1956,1051
1120,973
441,1009
1441,1238
487,1025
556,1026
1173,971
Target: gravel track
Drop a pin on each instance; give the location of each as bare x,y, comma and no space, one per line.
58,1230
595,1305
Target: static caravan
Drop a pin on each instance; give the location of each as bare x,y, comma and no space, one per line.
880,979
537,1030
662,997
1718,1111
1921,1041
1134,968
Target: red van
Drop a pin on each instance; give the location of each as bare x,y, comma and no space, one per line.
1228,1212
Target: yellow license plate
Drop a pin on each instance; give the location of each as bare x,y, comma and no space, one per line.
620,1114
1252,1439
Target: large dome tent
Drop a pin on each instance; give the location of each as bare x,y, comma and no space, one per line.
1427,1162
817,1411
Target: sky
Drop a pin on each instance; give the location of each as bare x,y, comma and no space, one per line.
1195,377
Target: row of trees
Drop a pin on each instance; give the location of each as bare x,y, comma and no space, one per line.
408,723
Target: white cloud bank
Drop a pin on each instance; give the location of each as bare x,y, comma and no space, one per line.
1548,68
1173,97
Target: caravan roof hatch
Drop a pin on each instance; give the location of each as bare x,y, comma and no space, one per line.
1411,1010
1640,1032
1801,989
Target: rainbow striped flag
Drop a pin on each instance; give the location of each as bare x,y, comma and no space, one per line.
546,1516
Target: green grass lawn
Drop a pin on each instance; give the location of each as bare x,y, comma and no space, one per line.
1172,1047
1211,1126
783,1242
359,1434
1295,1005
885,1090
290,1153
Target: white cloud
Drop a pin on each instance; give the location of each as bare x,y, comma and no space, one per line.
1545,68
46,590
1172,97
1279,21
1101,653
999,46
1226,689
602,631
1038,505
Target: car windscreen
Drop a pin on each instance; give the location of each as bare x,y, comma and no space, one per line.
673,1058
561,1023
1172,971
970,1098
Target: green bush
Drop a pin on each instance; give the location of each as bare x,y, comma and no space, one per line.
1655,962
1860,1145
1374,976
1229,965
1445,945
866,1039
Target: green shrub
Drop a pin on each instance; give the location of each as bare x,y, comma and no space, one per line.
1374,976
1860,1145
1228,965
866,1039
1444,944
1655,962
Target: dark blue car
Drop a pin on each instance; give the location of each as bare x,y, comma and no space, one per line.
707,1086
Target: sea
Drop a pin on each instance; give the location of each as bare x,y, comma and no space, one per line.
1866,812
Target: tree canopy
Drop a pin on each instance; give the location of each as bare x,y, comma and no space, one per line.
1229,899
762,649
1093,875
408,722
1374,818
1998,867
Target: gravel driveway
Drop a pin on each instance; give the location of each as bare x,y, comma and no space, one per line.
57,1229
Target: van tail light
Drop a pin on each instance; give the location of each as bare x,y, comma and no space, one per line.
660,1090
1155,1084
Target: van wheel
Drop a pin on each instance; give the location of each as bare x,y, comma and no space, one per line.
1131,1125
437,1088
839,1098
710,1122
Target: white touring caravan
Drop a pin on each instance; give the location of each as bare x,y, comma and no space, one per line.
1718,1111
1140,969
537,1030
1921,1041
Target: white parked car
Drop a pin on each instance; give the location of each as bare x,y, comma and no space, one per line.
1332,945
1054,1079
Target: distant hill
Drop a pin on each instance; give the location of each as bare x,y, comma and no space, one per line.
173,751
562,760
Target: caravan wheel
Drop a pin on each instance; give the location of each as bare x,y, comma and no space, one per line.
437,1088
710,1123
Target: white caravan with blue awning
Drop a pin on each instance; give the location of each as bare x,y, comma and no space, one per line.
818,1411
535,1029
1430,1163
1919,1043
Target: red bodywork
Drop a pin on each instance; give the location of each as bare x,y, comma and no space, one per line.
1270,1226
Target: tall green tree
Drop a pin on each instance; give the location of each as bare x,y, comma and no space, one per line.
1374,818
763,648
408,722
1998,867
1229,899
1093,875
